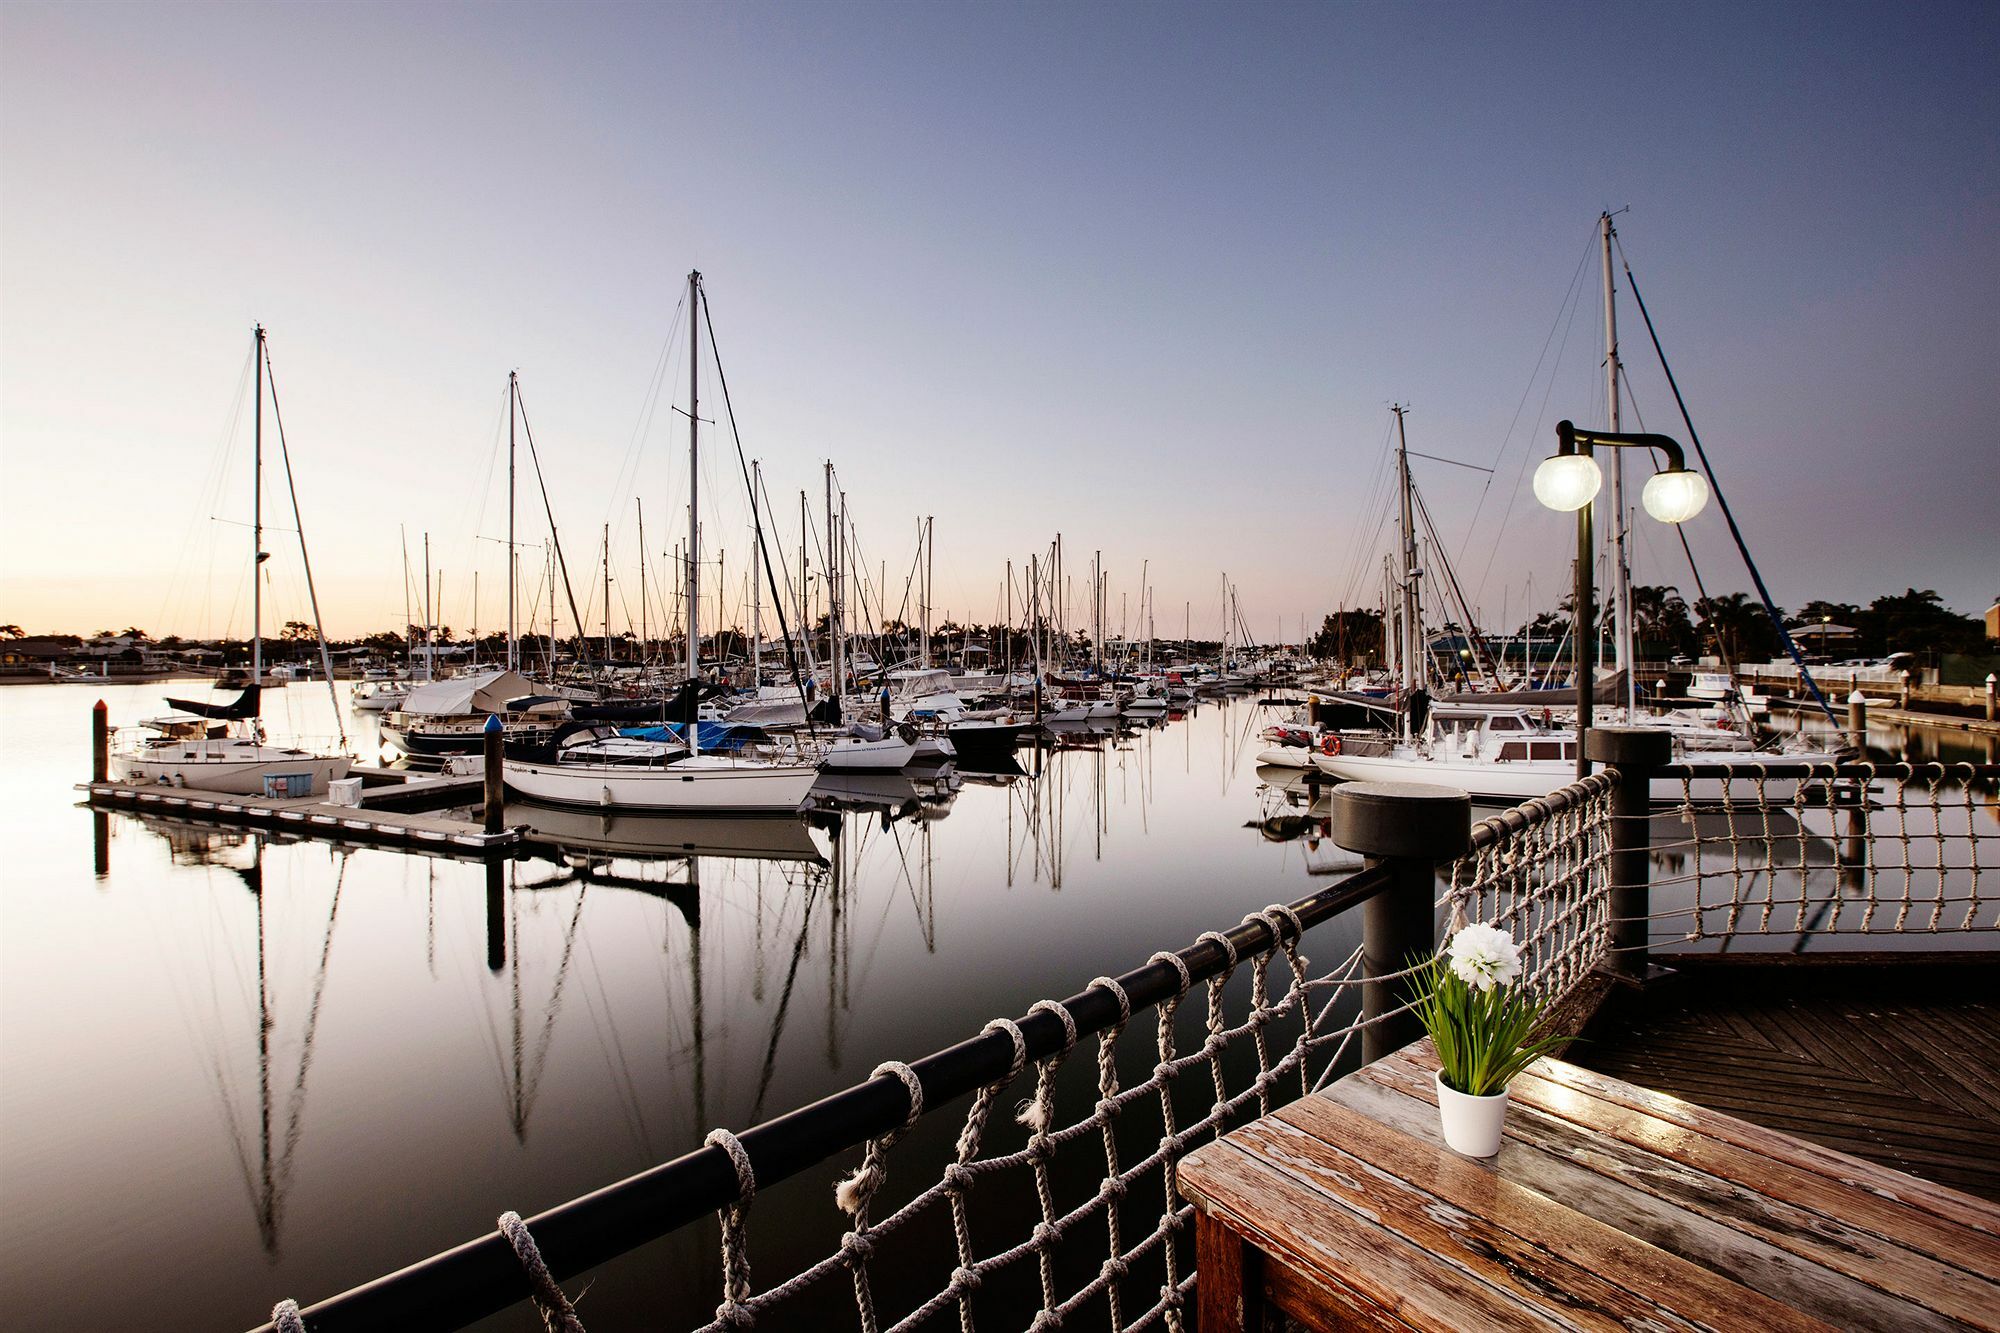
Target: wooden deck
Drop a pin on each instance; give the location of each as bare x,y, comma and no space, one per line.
1608,1206
1899,1064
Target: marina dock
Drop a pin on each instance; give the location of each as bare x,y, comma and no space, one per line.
386,819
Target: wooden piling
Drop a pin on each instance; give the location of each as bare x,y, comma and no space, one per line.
1857,721
100,739
1992,700
496,774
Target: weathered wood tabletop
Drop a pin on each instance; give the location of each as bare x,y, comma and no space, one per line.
1608,1206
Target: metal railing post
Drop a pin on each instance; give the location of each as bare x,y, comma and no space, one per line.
1638,753
1410,829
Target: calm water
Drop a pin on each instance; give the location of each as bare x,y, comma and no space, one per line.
235,1070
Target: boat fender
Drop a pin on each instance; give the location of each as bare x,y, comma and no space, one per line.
1329,745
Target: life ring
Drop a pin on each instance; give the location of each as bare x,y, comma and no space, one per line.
1329,745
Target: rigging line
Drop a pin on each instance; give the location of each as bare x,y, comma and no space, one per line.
1358,550
541,482
209,496
756,520
1527,455
649,406
1528,388
1474,638
305,557
1694,438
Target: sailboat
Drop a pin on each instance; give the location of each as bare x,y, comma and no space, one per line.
680,776
222,747
1494,747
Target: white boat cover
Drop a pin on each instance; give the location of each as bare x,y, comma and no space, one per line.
480,692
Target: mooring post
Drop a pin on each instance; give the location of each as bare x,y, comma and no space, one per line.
100,737
1903,695
1857,722
1409,828
496,774
1992,700
1638,753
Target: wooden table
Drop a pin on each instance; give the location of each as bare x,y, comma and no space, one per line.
1608,1206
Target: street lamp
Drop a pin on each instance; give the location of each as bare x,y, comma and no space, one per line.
1568,481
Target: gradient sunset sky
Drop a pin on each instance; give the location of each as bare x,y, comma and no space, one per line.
1149,275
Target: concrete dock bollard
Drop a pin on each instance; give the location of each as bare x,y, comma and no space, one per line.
1410,828
496,774
1638,753
100,738
1992,700
1857,722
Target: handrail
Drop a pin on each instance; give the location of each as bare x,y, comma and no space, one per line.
484,1276
1845,771
1532,811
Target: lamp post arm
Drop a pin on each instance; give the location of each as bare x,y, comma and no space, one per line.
1570,440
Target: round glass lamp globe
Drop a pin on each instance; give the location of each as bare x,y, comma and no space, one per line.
1675,497
1567,482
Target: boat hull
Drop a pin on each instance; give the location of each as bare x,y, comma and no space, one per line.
1523,780
236,771
702,783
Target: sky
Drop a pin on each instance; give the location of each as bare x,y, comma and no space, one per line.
1148,276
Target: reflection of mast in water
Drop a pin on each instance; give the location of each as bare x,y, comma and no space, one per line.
524,1077
267,1180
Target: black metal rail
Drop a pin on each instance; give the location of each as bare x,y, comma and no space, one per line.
483,1276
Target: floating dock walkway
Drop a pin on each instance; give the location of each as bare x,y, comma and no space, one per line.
388,819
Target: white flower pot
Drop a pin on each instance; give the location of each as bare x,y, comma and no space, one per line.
1471,1124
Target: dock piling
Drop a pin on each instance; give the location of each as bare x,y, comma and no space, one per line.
1638,753
100,738
1409,828
1992,700
1857,721
496,775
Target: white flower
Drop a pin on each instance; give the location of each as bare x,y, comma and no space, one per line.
1484,957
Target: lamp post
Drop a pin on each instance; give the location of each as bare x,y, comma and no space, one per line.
1569,480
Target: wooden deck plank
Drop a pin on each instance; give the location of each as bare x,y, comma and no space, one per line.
1679,1291
1740,1257
1383,1267
1900,1064
1904,1251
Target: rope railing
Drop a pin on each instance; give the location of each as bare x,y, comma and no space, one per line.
1019,1182
1033,1243
1806,851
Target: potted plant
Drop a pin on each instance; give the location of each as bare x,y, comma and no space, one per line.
1485,1029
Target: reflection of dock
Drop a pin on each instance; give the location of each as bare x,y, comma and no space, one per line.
379,823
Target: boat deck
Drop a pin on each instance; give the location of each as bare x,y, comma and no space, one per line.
1897,1063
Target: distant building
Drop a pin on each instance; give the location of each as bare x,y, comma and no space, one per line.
1993,621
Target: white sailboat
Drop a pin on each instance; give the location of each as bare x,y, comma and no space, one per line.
675,778
222,747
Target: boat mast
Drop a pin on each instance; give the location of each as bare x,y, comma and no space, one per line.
430,652
1621,585
257,518
409,639
513,648
832,557
925,660
607,600
640,505
756,588
694,513
1413,653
